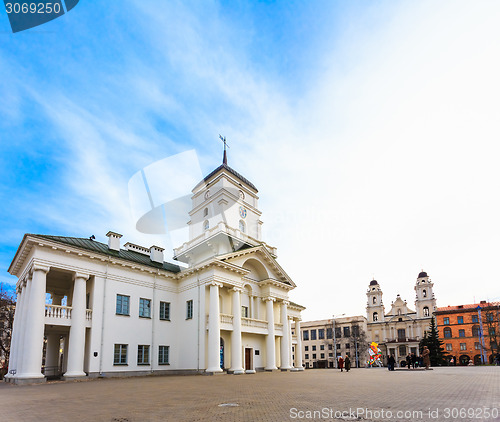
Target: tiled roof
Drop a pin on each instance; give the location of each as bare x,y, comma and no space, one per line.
92,245
468,306
233,172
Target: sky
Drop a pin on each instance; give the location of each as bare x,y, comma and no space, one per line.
369,128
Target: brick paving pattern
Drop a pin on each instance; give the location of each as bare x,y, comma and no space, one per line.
260,397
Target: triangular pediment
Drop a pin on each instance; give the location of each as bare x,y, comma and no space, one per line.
262,266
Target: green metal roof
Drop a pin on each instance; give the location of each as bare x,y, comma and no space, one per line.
94,246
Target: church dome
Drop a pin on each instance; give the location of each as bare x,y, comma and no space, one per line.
373,282
422,274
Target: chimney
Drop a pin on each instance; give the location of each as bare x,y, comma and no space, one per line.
114,241
156,254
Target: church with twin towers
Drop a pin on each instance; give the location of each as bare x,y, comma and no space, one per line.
119,309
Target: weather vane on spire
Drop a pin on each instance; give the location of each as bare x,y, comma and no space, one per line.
223,139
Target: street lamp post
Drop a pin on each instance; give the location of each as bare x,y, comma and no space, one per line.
335,340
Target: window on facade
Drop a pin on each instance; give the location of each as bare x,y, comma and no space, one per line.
305,335
313,348
489,317
244,311
306,348
461,333
491,330
424,293
447,332
347,346
375,316
242,226
122,305
189,309
307,355
330,355
402,350
329,333
314,355
449,347
476,345
463,346
460,320
426,311
338,332
322,355
401,333
355,330
163,355
446,321
205,212
322,347
321,334
165,311
206,225
475,330
142,355
347,331
145,308
313,334
475,318
374,300
330,347
120,355
338,346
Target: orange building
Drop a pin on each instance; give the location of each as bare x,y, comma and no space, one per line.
460,327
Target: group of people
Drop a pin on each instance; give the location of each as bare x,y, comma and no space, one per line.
344,362
412,360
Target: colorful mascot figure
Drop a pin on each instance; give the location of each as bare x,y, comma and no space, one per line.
375,355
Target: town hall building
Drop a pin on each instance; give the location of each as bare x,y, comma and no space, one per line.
117,310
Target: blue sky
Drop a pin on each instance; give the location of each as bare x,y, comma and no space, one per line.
369,130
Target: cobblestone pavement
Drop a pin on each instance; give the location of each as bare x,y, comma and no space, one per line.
264,397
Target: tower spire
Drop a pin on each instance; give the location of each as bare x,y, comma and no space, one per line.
224,158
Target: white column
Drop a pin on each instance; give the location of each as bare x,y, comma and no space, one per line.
34,325
236,359
76,347
285,340
22,325
214,330
298,347
16,330
290,355
270,340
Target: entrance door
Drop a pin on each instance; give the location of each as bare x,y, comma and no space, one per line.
248,359
221,353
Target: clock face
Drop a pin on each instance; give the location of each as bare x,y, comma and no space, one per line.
207,194
243,212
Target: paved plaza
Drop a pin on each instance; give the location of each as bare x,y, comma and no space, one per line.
437,395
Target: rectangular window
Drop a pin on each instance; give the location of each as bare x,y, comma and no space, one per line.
401,333
330,355
330,347
475,318
244,311
460,320
189,309
313,334
338,332
463,346
321,334
338,346
446,321
461,333
120,355
314,348
355,330
163,352
122,305
477,346
322,355
314,355
305,335
165,311
307,355
347,332
145,308
142,355
449,347
347,346
306,348
322,347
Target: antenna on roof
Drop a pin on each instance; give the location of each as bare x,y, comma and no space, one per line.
224,159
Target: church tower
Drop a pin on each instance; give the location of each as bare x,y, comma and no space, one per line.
425,302
375,307
224,216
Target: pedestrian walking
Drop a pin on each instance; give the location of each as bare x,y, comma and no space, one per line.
408,361
341,364
391,362
413,360
347,362
426,357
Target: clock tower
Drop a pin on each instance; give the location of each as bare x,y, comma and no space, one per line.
224,216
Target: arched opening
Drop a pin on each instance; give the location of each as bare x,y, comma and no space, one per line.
206,225
424,293
257,271
426,311
464,360
205,212
374,300
477,360
375,316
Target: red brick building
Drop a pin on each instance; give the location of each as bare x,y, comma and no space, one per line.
460,327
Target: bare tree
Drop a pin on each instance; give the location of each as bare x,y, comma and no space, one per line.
359,344
492,325
7,309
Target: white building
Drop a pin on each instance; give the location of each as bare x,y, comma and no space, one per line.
124,311
399,331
